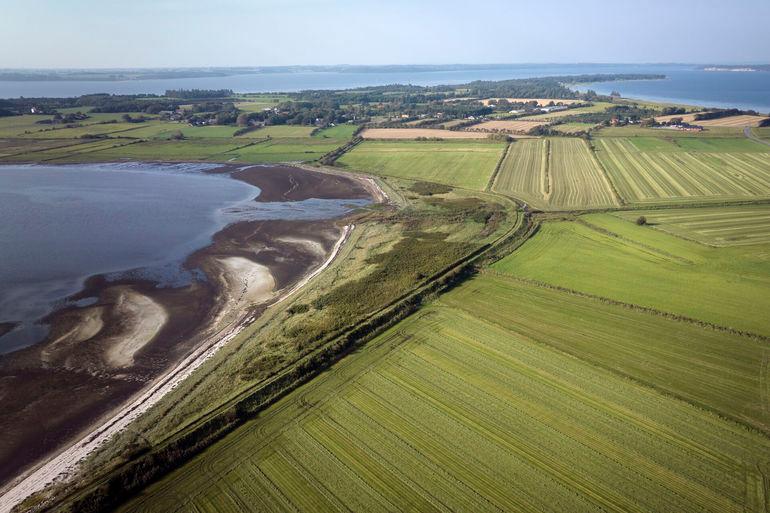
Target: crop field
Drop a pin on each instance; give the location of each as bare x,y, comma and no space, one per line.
457,163
607,256
472,405
650,170
513,126
556,174
723,226
414,133
576,180
523,173
733,121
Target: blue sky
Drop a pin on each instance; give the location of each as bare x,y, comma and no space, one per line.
177,33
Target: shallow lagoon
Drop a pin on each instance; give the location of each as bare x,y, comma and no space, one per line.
61,224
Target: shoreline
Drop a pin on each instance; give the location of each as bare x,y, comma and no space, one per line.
269,281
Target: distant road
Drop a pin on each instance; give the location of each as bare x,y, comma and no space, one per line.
747,133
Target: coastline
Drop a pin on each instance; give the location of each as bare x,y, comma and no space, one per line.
252,265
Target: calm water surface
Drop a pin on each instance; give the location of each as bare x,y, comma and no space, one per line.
62,224
685,83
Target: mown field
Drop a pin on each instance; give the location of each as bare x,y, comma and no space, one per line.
554,174
658,169
722,226
614,258
477,403
456,163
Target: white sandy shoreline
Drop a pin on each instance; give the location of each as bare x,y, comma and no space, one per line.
61,466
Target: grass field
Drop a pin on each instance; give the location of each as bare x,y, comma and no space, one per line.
557,174
337,132
473,405
614,258
280,131
457,163
723,226
571,128
656,169
292,149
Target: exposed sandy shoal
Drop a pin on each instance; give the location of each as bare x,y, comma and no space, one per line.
140,321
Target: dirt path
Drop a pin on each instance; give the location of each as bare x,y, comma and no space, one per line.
64,464
747,133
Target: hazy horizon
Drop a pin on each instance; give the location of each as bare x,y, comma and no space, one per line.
107,34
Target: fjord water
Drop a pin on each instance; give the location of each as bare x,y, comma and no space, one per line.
62,224
685,83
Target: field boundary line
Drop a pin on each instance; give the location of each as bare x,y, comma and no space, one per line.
757,337
609,233
496,172
592,148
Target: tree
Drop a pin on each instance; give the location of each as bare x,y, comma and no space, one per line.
243,119
641,220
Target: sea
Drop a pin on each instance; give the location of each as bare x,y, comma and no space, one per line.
684,83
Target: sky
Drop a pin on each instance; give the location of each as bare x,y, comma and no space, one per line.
192,33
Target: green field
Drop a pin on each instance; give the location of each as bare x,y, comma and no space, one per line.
478,404
457,163
723,226
616,259
280,131
291,149
654,170
337,132
571,128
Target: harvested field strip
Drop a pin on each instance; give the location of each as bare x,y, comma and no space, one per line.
575,178
462,408
723,226
654,176
732,121
512,126
723,286
522,172
414,133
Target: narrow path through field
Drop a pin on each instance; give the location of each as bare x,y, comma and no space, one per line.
747,133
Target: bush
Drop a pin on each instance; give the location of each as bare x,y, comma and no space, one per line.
641,220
